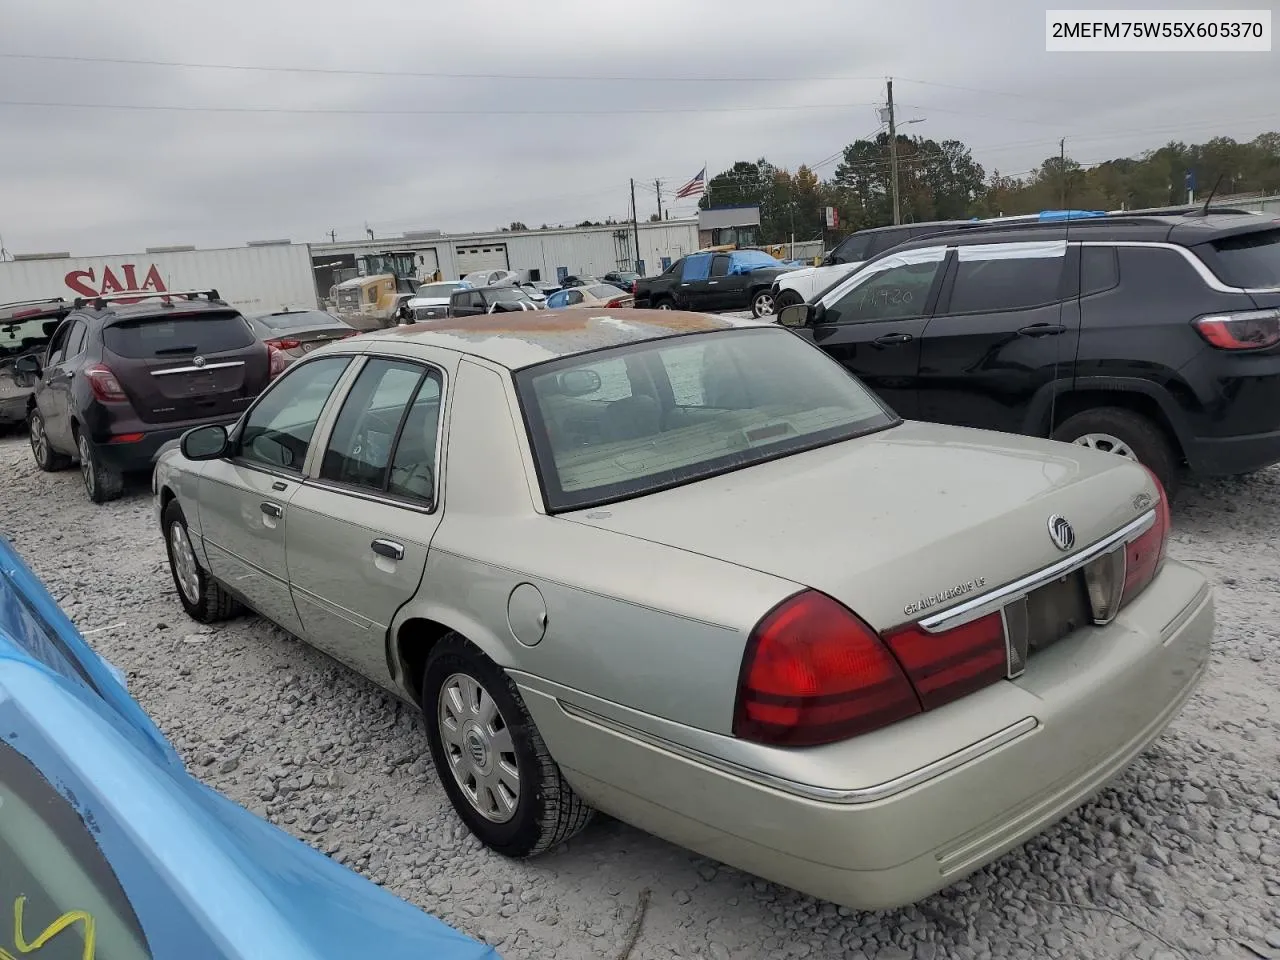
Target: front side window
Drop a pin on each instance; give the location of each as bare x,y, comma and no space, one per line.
894,288
1011,276
360,446
632,420
58,345
696,267
853,249
59,897
277,432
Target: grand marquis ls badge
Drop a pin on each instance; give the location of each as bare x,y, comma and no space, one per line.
1061,532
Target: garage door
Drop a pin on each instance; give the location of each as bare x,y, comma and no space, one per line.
486,256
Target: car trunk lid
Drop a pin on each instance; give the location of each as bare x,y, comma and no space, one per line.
896,525
186,366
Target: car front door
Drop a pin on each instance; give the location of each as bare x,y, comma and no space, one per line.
872,323
1006,327
53,394
244,500
360,527
692,287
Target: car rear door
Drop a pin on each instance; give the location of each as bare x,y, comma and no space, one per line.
244,499
872,323
1006,328
186,365
360,527
718,292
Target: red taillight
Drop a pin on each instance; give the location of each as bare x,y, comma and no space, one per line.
127,438
1253,330
814,673
1144,555
278,362
284,343
617,302
948,665
104,384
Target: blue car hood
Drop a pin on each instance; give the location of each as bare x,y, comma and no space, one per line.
207,878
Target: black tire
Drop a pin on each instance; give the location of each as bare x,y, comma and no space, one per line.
101,482
547,811
664,303
762,303
211,602
786,298
1146,440
43,454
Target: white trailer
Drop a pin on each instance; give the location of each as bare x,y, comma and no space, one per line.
254,279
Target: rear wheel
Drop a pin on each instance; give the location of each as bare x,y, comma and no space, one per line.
101,482
1126,434
45,457
762,304
202,597
489,756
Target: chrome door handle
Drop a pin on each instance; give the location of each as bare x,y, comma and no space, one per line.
272,509
388,548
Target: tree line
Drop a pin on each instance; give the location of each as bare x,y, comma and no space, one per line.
942,181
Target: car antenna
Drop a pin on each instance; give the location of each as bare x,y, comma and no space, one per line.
1209,199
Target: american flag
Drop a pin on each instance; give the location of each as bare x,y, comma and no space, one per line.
695,186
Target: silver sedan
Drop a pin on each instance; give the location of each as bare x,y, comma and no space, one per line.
688,571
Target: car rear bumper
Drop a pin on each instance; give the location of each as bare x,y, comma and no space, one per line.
1093,704
1230,456
141,454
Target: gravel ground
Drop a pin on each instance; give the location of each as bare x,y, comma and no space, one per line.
1179,858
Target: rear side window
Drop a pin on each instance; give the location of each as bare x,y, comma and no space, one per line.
61,897
360,447
178,336
998,277
1099,270
1246,260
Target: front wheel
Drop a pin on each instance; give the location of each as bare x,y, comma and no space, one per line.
45,456
762,304
490,758
1127,434
786,298
665,303
202,597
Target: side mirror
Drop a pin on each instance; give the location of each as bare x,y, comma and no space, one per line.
28,364
578,383
796,315
205,443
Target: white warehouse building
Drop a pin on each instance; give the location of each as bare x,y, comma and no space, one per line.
536,254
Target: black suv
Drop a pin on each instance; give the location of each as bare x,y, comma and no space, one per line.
713,280
1154,336
469,303
122,376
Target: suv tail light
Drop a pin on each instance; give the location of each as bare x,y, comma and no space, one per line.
948,665
284,343
1144,555
278,362
814,673
1252,330
104,384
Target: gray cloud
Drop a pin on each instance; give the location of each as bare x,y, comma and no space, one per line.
99,180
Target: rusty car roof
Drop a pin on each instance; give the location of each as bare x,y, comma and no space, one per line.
526,337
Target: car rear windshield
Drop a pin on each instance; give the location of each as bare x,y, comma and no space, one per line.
178,335
605,291
628,421
1248,259
299,320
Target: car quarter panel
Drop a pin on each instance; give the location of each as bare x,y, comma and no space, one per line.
1085,709
632,623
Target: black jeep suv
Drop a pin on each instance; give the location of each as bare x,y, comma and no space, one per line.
1154,336
123,375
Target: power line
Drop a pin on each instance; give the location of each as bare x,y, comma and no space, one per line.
356,111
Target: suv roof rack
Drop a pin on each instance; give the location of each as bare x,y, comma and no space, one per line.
101,302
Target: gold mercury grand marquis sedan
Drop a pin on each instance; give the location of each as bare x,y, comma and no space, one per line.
688,571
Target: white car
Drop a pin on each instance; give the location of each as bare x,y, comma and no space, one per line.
431,302
800,286
492,278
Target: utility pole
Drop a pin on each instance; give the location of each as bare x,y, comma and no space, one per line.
1062,169
635,227
657,185
893,155
333,236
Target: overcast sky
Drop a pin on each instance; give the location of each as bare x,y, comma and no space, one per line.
90,179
